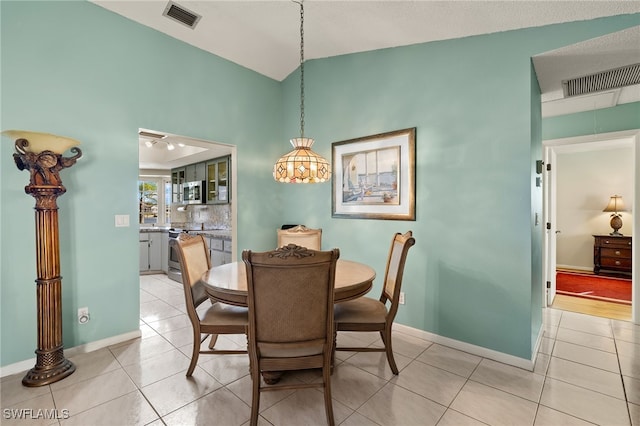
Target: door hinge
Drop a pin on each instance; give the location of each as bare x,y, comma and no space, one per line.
548,225
548,284
549,167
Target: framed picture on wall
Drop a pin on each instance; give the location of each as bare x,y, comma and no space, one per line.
374,176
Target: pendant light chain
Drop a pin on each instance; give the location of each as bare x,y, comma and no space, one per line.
301,165
301,69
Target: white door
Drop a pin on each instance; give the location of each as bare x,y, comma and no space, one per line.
550,224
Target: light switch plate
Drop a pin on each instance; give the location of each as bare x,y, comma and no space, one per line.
122,220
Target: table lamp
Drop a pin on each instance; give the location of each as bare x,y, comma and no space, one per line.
41,154
615,205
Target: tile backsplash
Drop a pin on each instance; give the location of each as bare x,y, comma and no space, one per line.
201,216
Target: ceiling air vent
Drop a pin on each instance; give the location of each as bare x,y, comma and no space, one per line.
151,135
180,14
612,79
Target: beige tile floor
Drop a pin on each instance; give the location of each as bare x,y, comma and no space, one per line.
588,372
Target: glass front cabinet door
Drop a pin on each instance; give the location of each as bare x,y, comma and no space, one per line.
177,179
218,182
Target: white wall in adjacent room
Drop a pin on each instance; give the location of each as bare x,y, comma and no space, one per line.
585,182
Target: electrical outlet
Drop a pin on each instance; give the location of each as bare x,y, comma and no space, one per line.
83,315
402,297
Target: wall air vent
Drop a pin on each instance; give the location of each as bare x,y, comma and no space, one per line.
180,14
612,79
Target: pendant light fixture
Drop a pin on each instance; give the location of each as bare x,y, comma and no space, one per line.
302,165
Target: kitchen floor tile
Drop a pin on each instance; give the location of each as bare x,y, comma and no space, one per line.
220,407
576,379
156,310
130,409
583,355
583,403
455,418
493,406
589,340
549,417
630,366
157,367
225,368
88,365
394,405
587,377
513,380
632,388
137,350
304,407
90,393
12,391
430,382
27,412
452,360
634,412
184,390
587,324
376,363
353,386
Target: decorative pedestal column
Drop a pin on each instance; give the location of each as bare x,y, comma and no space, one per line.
44,162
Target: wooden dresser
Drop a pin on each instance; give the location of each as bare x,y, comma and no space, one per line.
612,254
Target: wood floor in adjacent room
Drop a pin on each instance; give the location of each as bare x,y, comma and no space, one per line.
592,307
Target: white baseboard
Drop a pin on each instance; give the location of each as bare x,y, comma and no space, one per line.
575,268
27,364
523,363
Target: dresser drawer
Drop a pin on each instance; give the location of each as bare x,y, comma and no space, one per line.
610,262
617,242
618,253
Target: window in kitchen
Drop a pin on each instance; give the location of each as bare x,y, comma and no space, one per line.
154,200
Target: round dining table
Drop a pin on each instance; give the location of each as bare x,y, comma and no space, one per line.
228,283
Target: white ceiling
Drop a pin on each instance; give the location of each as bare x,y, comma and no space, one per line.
264,35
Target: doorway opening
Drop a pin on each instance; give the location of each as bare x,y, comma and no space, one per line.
573,204
158,154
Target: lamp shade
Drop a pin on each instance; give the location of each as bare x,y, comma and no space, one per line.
615,204
39,142
302,165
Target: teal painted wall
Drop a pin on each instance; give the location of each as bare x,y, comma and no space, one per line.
475,272
77,70
537,225
618,118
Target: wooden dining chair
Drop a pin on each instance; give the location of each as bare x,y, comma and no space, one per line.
302,236
290,298
219,318
367,314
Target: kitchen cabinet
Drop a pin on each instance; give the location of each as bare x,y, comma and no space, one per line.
226,255
177,179
164,251
196,172
150,252
220,251
218,180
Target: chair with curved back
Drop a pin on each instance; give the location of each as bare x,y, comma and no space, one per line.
367,314
290,298
219,318
301,236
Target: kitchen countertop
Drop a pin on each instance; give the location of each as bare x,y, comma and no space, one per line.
154,229
218,233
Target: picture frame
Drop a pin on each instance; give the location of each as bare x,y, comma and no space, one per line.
374,176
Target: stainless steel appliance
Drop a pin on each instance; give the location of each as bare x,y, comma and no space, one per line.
194,192
174,271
